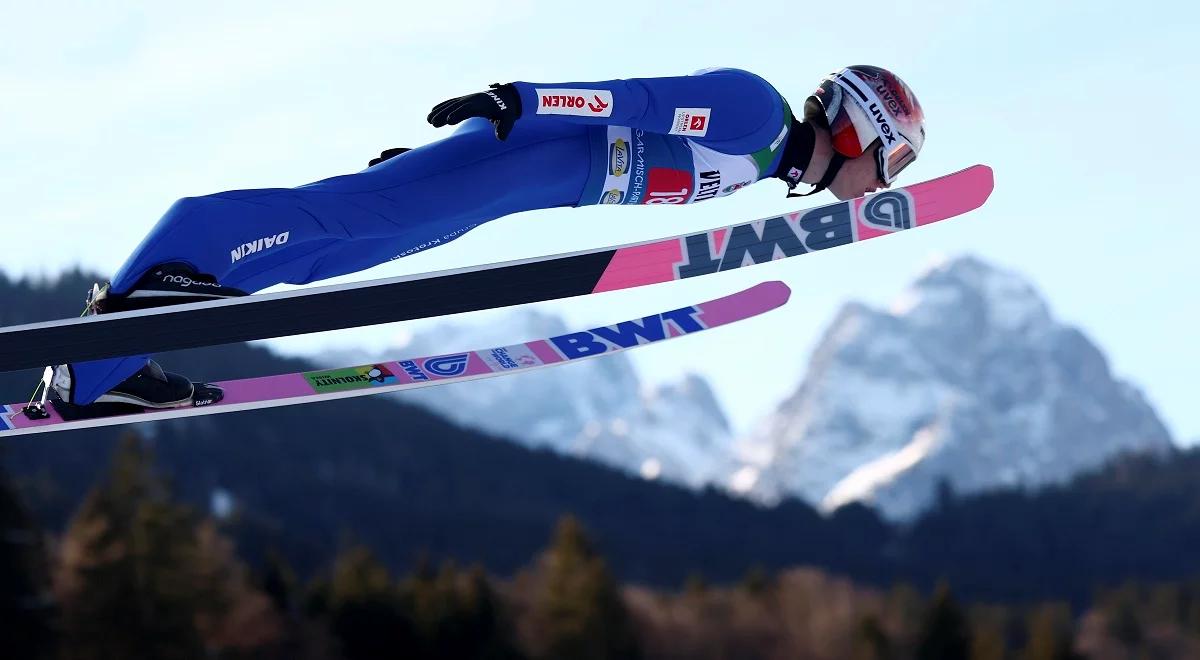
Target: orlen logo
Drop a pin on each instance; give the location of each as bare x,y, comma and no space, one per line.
597,104
690,121
562,101
261,244
618,157
580,102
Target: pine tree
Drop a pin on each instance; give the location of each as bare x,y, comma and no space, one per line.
578,612
989,627
458,615
1122,613
871,641
944,633
365,609
278,581
487,622
27,608
125,578
1051,634
232,615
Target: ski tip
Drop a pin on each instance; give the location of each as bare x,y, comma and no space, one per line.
953,194
767,295
758,299
773,293
979,178
985,178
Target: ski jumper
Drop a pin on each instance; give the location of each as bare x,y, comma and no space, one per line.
671,140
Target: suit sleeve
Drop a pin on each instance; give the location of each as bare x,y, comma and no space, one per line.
727,108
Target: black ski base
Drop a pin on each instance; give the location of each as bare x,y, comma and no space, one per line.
282,314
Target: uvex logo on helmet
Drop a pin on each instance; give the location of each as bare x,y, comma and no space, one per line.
885,128
890,98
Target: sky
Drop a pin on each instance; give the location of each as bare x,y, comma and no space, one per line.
1085,110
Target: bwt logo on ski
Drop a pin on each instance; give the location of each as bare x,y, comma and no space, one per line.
582,102
787,236
447,366
891,210
627,334
413,370
260,245
354,378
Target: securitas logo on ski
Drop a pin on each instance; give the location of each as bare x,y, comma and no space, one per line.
578,102
628,334
265,243
353,378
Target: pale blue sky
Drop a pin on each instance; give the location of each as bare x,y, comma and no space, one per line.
1085,110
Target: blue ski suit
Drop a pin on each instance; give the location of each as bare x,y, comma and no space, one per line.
672,140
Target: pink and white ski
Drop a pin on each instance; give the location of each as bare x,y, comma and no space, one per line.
362,380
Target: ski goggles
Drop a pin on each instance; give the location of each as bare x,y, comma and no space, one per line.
891,161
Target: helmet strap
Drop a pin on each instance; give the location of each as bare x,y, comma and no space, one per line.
797,156
831,172
797,153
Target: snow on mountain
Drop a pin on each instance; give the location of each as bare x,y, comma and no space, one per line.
596,409
966,379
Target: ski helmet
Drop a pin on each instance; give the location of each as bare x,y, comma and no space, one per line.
863,105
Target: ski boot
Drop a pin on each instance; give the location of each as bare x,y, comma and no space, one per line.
167,284
150,387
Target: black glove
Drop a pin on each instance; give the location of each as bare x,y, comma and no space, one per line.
501,105
387,154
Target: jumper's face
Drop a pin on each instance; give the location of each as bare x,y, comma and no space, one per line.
857,177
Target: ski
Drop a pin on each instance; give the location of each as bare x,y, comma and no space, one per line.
329,384
490,286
